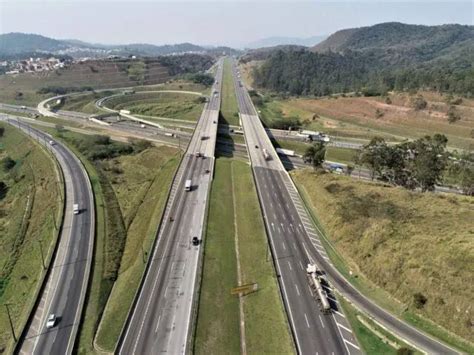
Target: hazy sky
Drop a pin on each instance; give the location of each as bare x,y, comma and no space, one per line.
227,22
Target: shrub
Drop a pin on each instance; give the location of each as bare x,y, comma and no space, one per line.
3,190
419,300
7,164
453,114
379,113
419,103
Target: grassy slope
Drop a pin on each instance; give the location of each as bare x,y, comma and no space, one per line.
218,319
355,117
141,191
403,242
23,225
229,109
169,105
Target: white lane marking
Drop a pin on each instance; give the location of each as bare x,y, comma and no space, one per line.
339,313
343,327
158,324
301,265
351,344
282,227
340,333
321,320
297,290
284,246
273,226
289,264
294,245
307,323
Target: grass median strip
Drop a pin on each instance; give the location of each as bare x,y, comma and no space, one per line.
266,328
229,109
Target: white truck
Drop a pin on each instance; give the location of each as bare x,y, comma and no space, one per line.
266,155
316,285
125,112
75,208
287,152
188,185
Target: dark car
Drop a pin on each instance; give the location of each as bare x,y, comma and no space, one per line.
256,146
195,241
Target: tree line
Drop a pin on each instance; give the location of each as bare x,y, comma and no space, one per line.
302,72
419,164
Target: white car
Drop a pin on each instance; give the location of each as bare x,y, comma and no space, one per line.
52,142
51,321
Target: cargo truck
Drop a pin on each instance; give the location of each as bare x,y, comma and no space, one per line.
75,208
316,286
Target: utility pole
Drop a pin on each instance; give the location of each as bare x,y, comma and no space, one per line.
11,322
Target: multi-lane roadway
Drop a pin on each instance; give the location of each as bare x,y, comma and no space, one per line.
66,284
162,317
283,208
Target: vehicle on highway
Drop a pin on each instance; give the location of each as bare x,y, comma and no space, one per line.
195,241
52,142
316,285
51,322
75,208
188,185
142,126
256,146
266,155
169,134
23,107
203,138
207,171
198,154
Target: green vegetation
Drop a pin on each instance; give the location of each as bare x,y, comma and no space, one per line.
149,175
216,333
314,155
399,243
183,106
30,211
376,59
234,200
229,108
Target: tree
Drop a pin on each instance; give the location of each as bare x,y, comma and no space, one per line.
419,103
7,164
427,160
372,155
2,131
315,154
453,114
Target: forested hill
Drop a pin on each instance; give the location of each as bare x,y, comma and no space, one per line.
376,59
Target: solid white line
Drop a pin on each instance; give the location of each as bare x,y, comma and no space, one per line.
343,327
339,313
351,344
158,324
340,333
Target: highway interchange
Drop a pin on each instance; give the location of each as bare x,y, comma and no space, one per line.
162,316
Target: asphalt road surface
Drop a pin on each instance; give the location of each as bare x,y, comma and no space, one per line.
283,208
66,285
161,320
313,330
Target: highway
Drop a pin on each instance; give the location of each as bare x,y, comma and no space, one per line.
313,331
283,208
67,281
162,317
